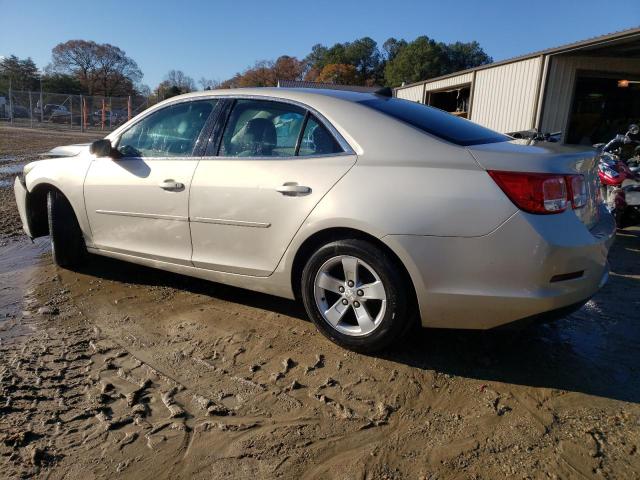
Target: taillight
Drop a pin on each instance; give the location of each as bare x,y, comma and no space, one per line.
542,193
577,190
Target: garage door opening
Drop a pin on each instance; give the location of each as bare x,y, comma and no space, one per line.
455,101
603,105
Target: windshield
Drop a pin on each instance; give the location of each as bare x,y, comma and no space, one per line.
436,122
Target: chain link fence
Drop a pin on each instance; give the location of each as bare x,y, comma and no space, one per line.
69,112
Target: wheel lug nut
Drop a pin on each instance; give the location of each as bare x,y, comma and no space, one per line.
345,301
350,283
341,289
356,304
360,293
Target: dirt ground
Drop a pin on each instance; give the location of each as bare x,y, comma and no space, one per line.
119,371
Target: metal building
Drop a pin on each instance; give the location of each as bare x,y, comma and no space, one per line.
588,90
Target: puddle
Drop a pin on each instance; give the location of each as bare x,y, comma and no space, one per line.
11,168
18,265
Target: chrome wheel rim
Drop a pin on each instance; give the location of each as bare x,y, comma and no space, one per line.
350,296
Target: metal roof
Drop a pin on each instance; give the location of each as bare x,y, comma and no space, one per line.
582,44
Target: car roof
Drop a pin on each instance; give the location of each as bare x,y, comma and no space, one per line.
299,94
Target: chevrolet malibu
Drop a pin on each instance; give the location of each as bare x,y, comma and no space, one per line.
377,213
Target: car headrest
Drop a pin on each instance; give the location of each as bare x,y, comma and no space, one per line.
259,137
322,141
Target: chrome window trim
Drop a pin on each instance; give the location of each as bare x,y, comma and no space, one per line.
346,147
118,135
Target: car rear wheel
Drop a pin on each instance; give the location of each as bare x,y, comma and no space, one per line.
356,295
67,243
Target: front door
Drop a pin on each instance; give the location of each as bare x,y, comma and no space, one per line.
139,204
274,164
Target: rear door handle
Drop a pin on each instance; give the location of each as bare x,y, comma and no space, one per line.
171,185
292,189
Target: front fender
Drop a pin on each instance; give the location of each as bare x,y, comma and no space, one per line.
64,174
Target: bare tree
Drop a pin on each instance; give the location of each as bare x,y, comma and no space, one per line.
208,84
177,78
101,68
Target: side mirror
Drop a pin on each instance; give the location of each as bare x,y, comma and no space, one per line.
102,148
634,129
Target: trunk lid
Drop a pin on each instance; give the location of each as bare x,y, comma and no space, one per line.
545,157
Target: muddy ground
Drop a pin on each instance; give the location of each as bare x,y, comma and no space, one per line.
118,371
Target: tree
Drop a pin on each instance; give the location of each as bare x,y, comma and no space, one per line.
102,69
175,83
339,73
20,74
288,68
208,84
418,60
461,56
61,83
363,54
391,48
177,78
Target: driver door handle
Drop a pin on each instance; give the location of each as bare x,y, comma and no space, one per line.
292,189
171,185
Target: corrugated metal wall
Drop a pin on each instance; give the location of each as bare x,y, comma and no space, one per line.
450,82
561,80
413,93
504,97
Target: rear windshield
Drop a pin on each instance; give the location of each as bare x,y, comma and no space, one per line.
436,122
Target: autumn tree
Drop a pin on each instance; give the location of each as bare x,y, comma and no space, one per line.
338,73
102,69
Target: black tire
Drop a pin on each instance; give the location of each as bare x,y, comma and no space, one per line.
399,316
67,243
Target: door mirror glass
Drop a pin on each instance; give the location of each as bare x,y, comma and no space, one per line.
102,148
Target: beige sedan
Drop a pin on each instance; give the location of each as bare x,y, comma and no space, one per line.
378,213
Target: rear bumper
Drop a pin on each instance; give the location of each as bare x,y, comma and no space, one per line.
505,276
21,193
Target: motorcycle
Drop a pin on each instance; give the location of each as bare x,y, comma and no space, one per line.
620,178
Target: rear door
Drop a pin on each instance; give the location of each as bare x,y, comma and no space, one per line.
272,163
139,204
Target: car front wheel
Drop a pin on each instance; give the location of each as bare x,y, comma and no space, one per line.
67,243
356,295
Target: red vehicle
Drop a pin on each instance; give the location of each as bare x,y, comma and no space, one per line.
620,185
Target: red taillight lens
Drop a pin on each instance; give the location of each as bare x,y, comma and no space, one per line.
540,193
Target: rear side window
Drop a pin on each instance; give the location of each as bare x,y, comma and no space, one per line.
436,122
316,140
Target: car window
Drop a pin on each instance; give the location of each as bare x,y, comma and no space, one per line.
262,128
316,140
169,132
436,122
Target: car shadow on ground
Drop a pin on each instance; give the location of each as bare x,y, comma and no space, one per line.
596,350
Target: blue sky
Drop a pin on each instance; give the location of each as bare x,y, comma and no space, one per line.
216,39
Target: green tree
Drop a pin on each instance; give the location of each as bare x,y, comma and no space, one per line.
20,74
461,56
418,60
61,83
